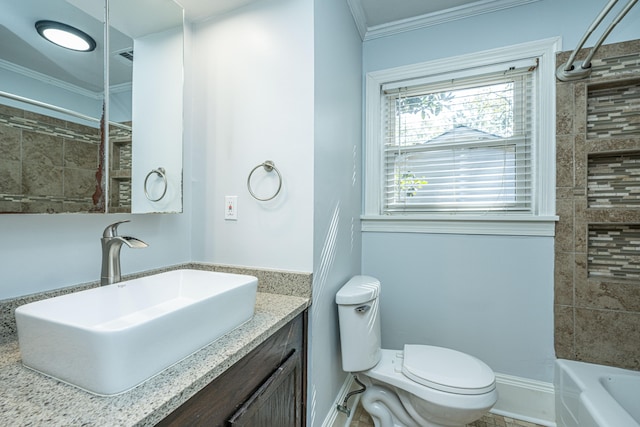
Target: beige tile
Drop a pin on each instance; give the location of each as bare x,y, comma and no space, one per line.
80,154
580,104
618,49
45,150
581,150
600,294
581,230
79,183
5,110
612,145
580,271
564,331
10,207
41,180
564,272
564,226
611,216
42,207
608,337
79,207
564,108
564,161
595,320
10,177
10,139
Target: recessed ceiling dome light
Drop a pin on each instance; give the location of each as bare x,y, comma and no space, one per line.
66,36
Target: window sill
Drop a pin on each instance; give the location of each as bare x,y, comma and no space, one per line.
462,224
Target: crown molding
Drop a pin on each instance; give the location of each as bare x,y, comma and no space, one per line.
429,19
48,79
357,11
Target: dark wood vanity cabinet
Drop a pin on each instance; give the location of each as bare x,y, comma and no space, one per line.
266,388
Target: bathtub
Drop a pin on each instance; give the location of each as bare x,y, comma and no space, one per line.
589,395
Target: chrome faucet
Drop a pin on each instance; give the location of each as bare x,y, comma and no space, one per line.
111,245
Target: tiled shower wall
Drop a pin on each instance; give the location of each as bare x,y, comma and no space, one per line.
597,243
120,171
49,165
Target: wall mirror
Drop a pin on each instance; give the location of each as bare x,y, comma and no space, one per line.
57,153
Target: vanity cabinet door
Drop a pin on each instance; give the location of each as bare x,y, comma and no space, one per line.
263,388
277,402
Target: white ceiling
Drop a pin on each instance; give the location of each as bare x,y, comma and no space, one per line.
24,51
198,10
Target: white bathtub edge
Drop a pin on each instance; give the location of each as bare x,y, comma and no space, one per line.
525,399
583,401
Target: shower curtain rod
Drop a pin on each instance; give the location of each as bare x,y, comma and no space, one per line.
57,109
574,70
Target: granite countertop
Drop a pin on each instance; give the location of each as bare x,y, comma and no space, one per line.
28,398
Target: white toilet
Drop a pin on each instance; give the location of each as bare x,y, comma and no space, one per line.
421,386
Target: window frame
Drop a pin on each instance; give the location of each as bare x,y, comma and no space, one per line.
540,222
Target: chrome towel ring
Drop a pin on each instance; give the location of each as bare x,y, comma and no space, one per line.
162,174
268,166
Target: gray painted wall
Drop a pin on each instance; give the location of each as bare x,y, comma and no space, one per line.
487,295
308,55
337,192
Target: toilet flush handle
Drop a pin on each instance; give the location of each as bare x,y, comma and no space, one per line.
363,308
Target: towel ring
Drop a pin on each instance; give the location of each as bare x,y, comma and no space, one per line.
268,166
162,174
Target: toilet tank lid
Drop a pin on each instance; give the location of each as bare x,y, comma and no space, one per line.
358,290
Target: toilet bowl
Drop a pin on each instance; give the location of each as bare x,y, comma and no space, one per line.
419,386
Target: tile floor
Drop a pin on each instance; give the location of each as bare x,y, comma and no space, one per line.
362,419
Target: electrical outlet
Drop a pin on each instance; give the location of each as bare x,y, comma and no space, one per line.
231,208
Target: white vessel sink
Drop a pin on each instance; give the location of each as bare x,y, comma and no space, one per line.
107,340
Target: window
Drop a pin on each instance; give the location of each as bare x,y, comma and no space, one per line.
459,145
463,145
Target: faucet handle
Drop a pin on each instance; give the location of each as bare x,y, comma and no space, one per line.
112,230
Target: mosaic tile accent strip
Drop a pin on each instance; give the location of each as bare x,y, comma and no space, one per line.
120,133
614,181
615,66
125,156
613,111
46,126
614,252
121,164
120,195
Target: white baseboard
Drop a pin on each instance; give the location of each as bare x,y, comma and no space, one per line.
336,418
519,398
525,399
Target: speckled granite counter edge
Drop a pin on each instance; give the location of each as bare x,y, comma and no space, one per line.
269,281
29,398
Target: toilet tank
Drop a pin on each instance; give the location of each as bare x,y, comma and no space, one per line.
359,318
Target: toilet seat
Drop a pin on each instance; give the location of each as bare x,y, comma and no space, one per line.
447,370
388,372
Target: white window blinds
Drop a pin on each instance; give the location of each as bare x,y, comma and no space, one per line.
461,145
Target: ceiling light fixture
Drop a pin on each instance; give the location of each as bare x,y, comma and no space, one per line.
66,36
